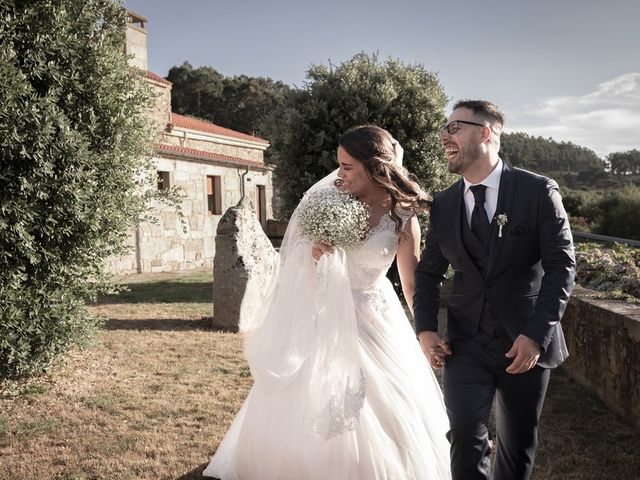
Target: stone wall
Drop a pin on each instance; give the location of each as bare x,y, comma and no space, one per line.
127,263
161,113
174,244
603,337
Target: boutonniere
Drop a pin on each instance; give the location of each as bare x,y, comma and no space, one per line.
501,221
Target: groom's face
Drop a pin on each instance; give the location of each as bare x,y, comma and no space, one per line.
463,147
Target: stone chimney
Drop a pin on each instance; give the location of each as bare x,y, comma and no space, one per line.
137,41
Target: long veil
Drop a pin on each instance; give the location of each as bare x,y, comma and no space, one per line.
308,324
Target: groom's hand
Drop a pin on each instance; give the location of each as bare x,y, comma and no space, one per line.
526,352
434,348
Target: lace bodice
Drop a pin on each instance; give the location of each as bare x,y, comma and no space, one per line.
368,262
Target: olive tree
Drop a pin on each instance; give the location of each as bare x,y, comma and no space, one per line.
407,100
74,146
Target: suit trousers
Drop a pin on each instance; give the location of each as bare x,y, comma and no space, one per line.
473,376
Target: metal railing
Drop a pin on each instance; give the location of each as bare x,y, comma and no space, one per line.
604,238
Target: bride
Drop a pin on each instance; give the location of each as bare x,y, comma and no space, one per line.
341,388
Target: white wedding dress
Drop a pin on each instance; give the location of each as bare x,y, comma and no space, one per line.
344,394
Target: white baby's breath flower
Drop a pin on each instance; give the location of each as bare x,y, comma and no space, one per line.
501,221
333,217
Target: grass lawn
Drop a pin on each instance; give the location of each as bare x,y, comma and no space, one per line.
152,397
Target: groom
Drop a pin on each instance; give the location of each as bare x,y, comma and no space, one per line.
506,235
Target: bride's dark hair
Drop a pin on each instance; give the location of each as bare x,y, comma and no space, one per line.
375,148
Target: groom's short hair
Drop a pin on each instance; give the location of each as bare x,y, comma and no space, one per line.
485,109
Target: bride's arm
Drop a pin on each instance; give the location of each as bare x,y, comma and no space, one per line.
407,258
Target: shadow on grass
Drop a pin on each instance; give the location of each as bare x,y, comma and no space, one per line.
162,292
163,324
196,473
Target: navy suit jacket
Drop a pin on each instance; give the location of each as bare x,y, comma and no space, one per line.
531,267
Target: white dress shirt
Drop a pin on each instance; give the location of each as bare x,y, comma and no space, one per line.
492,182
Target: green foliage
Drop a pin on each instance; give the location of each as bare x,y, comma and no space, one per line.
233,102
569,164
615,270
583,207
619,213
625,163
195,91
607,212
73,141
246,100
596,199
405,99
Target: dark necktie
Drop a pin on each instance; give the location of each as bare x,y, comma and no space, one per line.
479,221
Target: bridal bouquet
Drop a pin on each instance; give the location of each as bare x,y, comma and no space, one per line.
333,217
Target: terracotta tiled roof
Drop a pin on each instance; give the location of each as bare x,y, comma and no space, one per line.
204,126
157,78
175,150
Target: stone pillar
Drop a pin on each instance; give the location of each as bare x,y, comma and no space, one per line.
136,41
242,266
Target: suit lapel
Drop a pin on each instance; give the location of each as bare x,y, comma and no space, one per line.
506,195
457,207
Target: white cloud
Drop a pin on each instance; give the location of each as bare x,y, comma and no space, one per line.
606,120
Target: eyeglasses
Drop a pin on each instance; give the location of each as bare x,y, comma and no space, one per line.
453,127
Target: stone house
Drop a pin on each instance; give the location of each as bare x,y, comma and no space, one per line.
214,166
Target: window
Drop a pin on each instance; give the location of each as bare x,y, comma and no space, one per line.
163,180
261,204
214,195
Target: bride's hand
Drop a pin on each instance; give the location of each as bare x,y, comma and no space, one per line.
436,349
321,248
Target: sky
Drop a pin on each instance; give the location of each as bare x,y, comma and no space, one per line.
566,69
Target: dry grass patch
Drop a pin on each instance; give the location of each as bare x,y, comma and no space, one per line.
581,439
139,404
152,398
